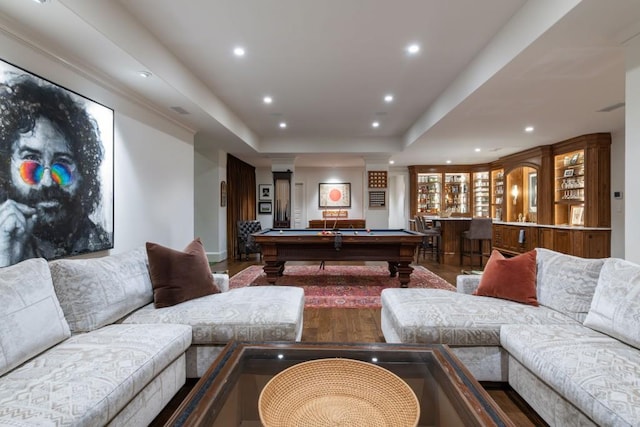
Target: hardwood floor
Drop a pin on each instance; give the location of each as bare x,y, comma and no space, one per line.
363,326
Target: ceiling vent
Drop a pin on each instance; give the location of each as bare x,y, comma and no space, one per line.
179,110
611,107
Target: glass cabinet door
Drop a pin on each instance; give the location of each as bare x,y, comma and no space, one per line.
429,193
456,193
497,185
481,190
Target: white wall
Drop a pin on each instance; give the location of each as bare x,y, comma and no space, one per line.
210,217
153,158
632,150
617,184
311,177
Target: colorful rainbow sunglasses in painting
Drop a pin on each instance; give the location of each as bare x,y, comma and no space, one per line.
32,172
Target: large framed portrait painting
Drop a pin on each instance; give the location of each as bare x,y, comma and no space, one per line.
56,172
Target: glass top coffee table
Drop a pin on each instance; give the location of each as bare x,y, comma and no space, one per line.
227,395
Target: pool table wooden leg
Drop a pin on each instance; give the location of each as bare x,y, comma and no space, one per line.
273,270
403,269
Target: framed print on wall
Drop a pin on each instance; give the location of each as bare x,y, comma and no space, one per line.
264,207
334,195
59,168
265,192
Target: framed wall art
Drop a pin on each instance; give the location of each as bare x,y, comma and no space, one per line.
377,199
265,192
264,207
334,195
59,146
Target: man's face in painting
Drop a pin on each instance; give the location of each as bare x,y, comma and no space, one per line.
44,176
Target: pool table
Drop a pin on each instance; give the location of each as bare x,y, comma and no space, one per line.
397,247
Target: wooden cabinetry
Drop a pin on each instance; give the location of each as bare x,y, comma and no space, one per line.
561,192
582,181
461,191
514,239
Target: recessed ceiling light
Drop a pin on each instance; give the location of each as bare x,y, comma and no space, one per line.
267,100
448,162
391,162
477,150
388,98
40,1
283,125
375,124
144,74
239,51
528,129
412,49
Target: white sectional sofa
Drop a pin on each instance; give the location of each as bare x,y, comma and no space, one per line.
575,358
82,344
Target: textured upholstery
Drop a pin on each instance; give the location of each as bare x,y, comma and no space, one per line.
260,313
98,291
31,319
89,378
566,283
615,309
437,316
246,243
549,405
596,373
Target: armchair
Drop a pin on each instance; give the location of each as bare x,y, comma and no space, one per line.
246,244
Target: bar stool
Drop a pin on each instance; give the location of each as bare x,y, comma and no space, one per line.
479,230
431,239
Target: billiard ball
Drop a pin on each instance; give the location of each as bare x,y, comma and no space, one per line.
280,231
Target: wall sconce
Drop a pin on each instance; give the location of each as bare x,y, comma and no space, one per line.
514,193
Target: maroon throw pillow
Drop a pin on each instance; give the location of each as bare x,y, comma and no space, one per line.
179,276
510,278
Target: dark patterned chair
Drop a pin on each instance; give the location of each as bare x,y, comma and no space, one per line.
246,244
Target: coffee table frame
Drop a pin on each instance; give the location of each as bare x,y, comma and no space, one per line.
207,398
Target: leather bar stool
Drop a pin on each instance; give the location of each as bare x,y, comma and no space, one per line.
431,239
472,241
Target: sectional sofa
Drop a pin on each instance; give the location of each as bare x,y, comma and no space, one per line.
81,342
574,358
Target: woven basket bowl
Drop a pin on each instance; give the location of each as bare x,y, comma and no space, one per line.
337,392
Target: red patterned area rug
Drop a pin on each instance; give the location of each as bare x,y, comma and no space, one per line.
340,285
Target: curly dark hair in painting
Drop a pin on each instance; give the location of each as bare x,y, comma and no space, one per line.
23,101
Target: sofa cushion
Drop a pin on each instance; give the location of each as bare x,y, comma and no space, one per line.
566,283
510,278
179,276
88,379
98,291
596,373
31,319
615,309
431,316
260,313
